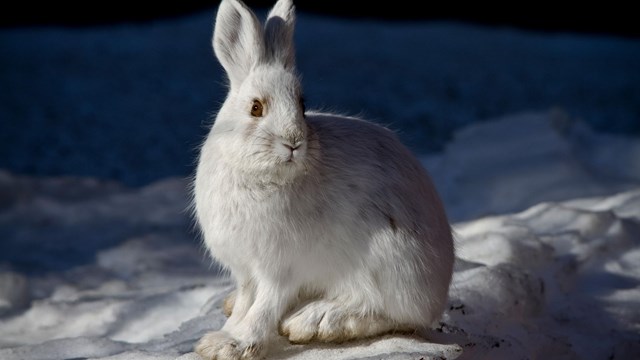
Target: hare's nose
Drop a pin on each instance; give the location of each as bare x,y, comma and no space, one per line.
293,146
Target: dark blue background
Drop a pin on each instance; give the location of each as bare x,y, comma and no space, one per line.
61,113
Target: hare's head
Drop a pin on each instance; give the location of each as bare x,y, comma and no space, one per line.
262,120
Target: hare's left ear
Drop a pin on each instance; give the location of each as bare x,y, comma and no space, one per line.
237,40
278,34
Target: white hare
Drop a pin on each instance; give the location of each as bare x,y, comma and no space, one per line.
330,227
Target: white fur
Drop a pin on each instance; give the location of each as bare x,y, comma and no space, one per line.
330,227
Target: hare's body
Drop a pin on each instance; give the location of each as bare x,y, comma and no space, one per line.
353,226
331,229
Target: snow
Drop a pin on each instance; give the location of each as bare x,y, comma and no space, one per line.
546,209
513,161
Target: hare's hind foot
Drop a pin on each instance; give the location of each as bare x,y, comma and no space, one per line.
331,321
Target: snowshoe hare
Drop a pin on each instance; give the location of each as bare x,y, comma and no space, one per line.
330,227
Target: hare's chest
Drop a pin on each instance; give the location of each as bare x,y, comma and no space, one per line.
241,224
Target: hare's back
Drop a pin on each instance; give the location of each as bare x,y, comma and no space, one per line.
352,143
367,169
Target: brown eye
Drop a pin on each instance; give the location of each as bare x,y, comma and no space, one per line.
256,108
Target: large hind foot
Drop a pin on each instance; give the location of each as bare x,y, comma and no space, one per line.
328,321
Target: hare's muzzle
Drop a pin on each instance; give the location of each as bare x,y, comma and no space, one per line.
291,149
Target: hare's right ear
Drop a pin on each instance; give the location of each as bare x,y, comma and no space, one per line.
279,34
237,40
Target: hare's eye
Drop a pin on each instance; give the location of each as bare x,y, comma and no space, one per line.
256,108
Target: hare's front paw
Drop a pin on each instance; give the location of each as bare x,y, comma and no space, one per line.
328,321
219,345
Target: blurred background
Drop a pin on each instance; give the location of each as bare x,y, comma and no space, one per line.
124,92
615,18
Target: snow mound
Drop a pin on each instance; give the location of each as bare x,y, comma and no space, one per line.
559,280
518,160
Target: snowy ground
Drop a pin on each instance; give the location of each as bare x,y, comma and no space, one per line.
545,208
94,269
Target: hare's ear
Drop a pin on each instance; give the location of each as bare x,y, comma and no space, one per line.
237,40
279,34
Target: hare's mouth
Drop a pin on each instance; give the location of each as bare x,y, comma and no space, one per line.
291,153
